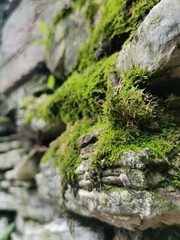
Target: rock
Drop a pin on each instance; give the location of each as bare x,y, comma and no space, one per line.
88,138
8,202
10,159
6,126
48,182
133,179
83,167
69,35
86,184
37,210
12,145
112,180
133,160
59,230
27,168
88,150
127,209
19,49
155,46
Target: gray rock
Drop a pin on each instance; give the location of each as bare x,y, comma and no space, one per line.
88,138
59,230
12,145
69,35
88,150
112,180
27,168
83,167
155,45
9,159
86,184
48,182
127,209
8,202
19,50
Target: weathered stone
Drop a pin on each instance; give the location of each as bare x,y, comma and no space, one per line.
88,138
8,202
132,159
83,167
27,168
155,45
18,48
133,179
126,209
88,150
37,210
59,229
69,35
48,182
9,159
11,145
112,180
86,184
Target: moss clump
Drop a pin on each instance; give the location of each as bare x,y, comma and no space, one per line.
65,150
82,95
133,120
119,21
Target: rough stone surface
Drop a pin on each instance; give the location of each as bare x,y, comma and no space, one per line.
69,35
9,159
155,45
125,208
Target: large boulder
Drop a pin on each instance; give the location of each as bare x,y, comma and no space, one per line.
155,46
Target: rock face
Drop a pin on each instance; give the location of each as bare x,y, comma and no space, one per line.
69,36
127,200
83,191
155,46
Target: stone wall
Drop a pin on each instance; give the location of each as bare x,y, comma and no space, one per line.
78,159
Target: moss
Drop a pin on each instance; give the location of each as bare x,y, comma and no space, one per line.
119,21
29,116
65,150
26,102
90,12
133,120
82,95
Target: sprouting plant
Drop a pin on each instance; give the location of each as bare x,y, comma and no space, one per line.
6,230
51,82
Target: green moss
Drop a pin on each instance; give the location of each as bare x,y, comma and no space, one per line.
29,116
26,102
119,21
133,120
90,12
65,151
82,95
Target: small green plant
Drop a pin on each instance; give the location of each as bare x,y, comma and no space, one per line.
5,232
51,82
27,101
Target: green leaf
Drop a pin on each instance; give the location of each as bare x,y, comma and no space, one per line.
51,82
43,28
